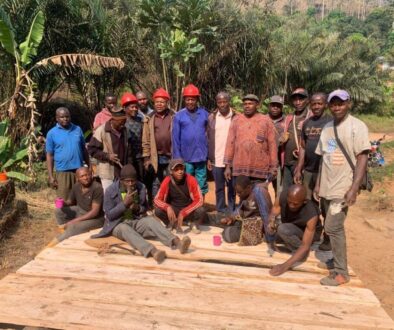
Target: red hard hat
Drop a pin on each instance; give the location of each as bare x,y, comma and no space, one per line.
128,98
161,92
191,90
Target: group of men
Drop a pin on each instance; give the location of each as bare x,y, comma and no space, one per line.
157,159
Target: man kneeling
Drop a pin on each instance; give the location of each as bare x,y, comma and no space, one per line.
83,209
179,199
125,209
300,225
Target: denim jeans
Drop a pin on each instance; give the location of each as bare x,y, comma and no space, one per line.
220,184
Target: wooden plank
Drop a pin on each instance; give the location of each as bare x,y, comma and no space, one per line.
212,305
206,255
189,280
180,266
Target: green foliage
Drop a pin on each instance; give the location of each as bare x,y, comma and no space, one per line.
7,38
29,47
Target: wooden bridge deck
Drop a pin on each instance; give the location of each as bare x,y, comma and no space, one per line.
71,286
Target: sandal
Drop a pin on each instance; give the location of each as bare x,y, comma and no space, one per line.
334,279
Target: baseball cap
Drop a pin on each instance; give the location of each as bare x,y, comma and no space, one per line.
251,97
299,91
276,99
176,162
339,93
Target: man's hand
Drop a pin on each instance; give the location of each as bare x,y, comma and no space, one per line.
351,196
227,221
209,165
278,270
297,176
171,215
53,182
316,195
147,163
129,198
113,158
227,173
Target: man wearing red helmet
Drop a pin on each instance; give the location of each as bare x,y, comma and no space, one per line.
135,125
109,146
189,137
156,141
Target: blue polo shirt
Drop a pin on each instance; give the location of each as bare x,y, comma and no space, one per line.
189,135
67,147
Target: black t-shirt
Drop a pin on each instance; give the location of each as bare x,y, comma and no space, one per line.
84,200
291,144
179,199
311,131
302,216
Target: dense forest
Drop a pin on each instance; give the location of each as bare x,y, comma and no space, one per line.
241,46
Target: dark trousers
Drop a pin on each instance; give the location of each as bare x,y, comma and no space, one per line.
292,235
220,186
144,176
197,216
288,176
162,172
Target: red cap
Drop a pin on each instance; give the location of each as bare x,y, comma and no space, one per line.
128,98
161,92
191,90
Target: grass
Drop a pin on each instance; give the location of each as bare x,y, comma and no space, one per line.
378,124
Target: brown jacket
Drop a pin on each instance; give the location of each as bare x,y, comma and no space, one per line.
149,149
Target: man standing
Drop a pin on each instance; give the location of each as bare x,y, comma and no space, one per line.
125,208
275,113
156,141
300,226
307,167
189,137
338,185
218,127
251,147
179,199
135,126
82,211
105,114
143,105
293,125
65,151
109,146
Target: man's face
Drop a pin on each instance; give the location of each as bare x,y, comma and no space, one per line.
243,193
339,108
294,203
142,101
129,184
223,104
299,102
318,104
84,177
250,107
131,109
63,118
118,124
275,109
191,103
178,172
160,104
110,102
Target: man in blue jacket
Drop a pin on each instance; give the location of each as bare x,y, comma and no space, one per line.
189,136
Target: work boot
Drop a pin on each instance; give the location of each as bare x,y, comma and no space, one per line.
334,279
182,244
326,244
158,255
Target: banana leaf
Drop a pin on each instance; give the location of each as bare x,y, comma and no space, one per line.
19,176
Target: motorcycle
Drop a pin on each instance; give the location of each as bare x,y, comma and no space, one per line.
375,155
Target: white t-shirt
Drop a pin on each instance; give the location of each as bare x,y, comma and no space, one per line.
336,173
221,132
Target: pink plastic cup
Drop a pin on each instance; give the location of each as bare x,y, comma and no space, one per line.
217,240
59,202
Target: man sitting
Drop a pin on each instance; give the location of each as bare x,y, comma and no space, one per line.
125,207
255,201
82,211
179,199
300,225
